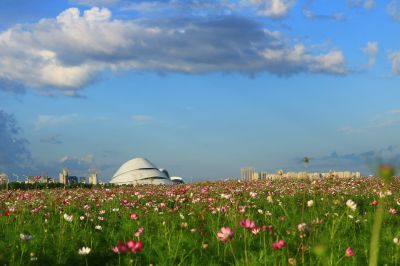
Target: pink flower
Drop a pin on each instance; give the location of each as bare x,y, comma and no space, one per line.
120,248
134,246
349,252
374,203
225,234
279,244
139,231
247,224
134,216
392,211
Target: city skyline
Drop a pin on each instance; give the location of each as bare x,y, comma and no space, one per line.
202,88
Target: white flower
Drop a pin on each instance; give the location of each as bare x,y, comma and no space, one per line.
84,251
310,203
98,227
396,240
351,204
302,227
260,211
384,194
68,218
25,237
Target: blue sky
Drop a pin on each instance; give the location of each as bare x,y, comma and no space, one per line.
201,88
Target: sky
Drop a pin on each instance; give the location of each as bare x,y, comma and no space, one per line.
200,88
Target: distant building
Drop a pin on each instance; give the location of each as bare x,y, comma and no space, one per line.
64,176
177,180
93,178
3,178
72,180
140,171
248,173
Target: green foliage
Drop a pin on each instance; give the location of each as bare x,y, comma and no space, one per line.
181,223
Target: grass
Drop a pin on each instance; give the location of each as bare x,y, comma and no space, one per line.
181,223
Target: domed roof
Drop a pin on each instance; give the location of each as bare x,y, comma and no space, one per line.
135,164
140,171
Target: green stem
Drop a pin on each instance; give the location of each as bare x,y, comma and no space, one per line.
376,229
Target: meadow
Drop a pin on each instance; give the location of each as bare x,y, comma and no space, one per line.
264,222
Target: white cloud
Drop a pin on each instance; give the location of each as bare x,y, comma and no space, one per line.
389,118
71,51
94,2
367,4
142,119
53,120
299,59
371,50
394,58
271,8
393,9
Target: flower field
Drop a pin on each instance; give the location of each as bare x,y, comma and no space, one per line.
279,222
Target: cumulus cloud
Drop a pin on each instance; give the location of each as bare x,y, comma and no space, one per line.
53,120
71,51
14,153
393,9
271,8
371,50
394,58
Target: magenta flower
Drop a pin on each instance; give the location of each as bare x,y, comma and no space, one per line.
278,244
247,224
349,252
134,246
120,248
225,234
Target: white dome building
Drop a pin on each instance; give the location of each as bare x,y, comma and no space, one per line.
177,180
140,171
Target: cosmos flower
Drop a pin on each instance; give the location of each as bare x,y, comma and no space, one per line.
247,224
84,251
351,204
25,237
310,203
68,218
139,231
349,252
134,216
225,234
134,246
278,244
